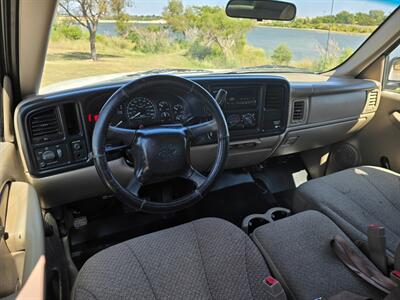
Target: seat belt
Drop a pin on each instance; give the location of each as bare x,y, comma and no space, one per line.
346,295
397,258
361,266
377,247
395,274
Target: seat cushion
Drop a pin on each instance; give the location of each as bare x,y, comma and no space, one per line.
205,259
299,254
354,198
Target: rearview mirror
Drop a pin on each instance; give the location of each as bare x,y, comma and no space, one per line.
261,10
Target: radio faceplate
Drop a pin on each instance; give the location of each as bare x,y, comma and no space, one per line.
254,108
240,97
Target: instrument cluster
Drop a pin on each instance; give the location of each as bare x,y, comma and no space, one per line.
142,111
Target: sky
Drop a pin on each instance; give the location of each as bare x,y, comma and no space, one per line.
305,8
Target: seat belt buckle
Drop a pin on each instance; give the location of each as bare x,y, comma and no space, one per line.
377,246
395,276
274,288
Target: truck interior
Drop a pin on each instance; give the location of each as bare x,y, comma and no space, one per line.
242,183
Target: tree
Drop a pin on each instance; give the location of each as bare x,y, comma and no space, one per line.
281,55
121,17
179,19
228,34
364,19
88,13
345,17
377,15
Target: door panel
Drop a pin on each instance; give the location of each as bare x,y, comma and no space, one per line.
381,137
8,269
22,253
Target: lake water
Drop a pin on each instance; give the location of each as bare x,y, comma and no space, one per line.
303,43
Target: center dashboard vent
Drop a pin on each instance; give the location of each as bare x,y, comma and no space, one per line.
44,126
298,112
274,97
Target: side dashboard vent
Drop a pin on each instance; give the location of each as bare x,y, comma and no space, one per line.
274,97
298,112
44,126
372,101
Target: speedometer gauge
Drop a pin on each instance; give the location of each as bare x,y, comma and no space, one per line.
140,110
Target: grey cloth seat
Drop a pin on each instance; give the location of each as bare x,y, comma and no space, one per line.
355,198
298,251
205,259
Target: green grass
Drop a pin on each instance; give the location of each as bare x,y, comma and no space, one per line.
68,59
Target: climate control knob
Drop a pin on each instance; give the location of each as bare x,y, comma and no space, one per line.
48,156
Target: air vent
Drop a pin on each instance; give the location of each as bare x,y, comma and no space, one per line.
372,100
298,111
274,97
44,126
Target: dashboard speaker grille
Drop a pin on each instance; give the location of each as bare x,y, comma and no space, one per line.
344,156
44,126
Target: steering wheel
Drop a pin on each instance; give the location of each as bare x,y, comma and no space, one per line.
163,152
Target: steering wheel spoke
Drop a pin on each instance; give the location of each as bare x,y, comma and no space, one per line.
195,176
127,136
134,186
202,128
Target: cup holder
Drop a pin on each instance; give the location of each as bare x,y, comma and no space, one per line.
278,213
251,222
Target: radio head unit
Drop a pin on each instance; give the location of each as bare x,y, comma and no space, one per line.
240,97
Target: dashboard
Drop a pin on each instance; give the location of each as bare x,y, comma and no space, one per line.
267,115
58,128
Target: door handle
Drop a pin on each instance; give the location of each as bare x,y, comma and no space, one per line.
395,118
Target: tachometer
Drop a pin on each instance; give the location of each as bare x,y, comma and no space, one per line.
140,110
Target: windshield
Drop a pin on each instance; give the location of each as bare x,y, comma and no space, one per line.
106,39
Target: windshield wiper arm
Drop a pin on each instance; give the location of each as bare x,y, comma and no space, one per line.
275,68
169,71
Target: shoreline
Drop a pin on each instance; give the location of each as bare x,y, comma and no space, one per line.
319,30
162,22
